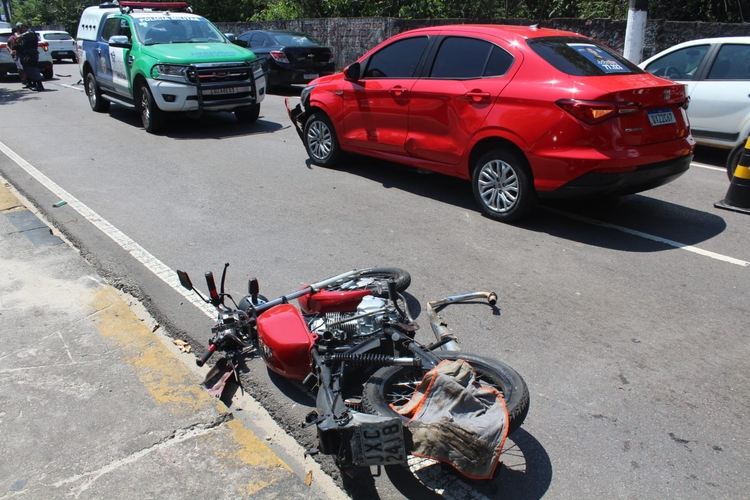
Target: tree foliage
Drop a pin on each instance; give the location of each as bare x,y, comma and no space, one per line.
675,10
68,12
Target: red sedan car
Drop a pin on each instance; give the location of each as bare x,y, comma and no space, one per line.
521,112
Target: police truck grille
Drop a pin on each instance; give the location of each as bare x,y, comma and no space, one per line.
219,73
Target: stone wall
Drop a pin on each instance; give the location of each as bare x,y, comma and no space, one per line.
352,37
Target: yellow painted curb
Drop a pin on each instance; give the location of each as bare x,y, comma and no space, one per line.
9,201
170,382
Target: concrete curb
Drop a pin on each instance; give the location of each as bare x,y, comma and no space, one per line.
97,402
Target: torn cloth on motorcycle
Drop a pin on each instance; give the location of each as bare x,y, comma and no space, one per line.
455,420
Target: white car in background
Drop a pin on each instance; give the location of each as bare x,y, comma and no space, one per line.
717,74
61,44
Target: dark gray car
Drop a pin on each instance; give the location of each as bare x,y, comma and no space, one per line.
292,57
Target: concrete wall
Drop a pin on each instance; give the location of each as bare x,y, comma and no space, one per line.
352,37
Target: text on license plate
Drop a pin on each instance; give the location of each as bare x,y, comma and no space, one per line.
380,443
310,76
226,90
661,117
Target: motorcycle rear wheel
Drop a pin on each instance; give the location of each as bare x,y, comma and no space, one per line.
396,384
375,279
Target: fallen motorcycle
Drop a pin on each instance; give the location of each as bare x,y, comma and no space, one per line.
352,341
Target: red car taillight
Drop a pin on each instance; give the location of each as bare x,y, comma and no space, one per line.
279,56
45,46
593,112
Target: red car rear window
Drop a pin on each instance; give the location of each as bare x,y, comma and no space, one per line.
581,57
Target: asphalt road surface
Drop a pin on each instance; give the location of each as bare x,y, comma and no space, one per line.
628,320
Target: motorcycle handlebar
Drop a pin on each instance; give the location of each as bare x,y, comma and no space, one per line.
206,354
215,299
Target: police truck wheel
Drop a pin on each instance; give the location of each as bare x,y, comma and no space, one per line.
152,117
248,114
94,93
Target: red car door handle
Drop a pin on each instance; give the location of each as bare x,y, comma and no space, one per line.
477,95
398,91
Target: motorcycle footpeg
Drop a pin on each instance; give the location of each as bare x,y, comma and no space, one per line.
311,381
311,418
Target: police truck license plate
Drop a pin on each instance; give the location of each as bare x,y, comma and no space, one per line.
226,90
380,443
661,117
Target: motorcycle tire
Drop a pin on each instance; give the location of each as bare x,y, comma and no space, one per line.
380,275
396,385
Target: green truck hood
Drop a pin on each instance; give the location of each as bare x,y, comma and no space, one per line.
199,52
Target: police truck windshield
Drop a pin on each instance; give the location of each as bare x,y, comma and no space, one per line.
176,29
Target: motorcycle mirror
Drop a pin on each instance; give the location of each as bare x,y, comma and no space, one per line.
185,279
253,287
224,277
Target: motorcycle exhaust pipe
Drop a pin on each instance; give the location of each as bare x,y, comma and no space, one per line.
447,340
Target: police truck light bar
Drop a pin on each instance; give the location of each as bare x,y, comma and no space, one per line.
154,5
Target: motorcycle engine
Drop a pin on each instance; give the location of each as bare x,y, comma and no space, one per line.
365,321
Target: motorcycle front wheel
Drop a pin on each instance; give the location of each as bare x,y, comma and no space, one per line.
375,279
395,385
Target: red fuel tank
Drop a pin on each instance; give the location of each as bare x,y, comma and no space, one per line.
285,341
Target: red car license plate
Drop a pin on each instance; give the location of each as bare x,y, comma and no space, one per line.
661,117
379,443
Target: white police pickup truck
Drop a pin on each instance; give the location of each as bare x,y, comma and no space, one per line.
158,58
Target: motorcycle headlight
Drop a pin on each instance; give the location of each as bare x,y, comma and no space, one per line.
172,72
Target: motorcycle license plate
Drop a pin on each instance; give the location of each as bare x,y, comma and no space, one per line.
226,90
379,443
661,117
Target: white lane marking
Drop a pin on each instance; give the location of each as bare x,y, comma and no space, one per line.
708,167
676,244
74,87
161,270
166,274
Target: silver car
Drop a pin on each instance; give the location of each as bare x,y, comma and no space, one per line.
8,65
717,74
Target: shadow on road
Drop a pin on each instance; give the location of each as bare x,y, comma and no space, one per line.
180,126
525,472
572,220
11,92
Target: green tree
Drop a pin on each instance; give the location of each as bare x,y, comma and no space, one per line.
49,12
67,12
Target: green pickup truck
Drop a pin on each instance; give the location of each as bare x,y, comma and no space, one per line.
158,58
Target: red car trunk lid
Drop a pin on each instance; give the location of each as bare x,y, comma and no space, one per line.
660,112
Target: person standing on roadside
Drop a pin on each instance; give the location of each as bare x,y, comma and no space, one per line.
28,52
11,44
